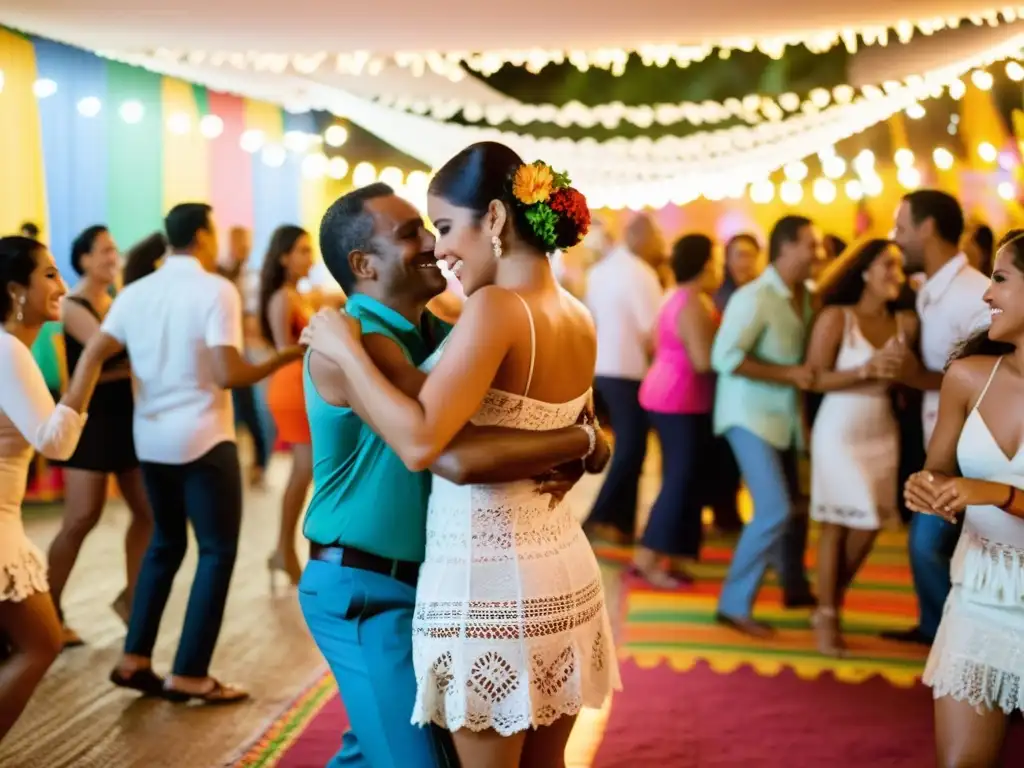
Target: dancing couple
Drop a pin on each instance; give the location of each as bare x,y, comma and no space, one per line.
501,636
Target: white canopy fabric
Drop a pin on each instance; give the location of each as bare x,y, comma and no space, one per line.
387,26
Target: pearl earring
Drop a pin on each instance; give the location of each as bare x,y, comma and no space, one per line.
496,246
21,314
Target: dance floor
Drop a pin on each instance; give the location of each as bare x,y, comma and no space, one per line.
695,695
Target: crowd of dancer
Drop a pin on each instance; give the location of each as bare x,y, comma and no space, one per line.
449,586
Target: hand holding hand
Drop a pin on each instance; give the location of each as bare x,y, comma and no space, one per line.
921,493
557,482
802,377
885,365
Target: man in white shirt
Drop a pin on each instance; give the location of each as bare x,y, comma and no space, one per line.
624,296
182,328
950,304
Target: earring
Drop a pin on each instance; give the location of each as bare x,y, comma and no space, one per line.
496,246
21,314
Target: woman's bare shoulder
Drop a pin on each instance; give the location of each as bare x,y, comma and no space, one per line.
970,374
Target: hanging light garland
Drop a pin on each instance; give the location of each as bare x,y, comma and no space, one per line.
453,65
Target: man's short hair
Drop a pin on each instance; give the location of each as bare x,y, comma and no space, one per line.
786,230
941,208
184,221
346,227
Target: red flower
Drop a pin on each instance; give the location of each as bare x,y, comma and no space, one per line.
569,202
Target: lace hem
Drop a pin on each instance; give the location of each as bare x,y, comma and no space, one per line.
23,576
498,693
851,517
992,572
980,685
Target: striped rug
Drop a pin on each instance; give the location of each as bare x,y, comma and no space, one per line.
678,627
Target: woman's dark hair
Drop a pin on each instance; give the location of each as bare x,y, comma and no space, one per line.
835,244
980,343
83,245
272,274
985,240
483,172
728,281
842,284
690,254
18,260
142,257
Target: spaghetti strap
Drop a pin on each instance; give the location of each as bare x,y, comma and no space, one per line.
988,383
533,344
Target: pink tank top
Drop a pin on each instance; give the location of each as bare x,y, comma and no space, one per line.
671,384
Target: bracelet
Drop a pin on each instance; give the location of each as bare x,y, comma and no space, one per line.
591,438
1006,505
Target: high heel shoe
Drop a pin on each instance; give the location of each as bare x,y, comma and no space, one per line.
827,633
276,564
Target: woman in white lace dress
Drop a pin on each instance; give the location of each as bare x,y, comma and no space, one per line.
975,467
30,292
511,636
855,350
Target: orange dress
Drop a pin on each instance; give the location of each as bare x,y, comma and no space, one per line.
285,399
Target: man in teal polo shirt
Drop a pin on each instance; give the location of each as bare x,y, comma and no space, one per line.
367,519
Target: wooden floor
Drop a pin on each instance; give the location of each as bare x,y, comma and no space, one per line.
78,720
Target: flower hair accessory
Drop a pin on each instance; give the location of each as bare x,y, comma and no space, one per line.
557,212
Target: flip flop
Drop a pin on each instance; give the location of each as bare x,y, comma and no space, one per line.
218,694
145,681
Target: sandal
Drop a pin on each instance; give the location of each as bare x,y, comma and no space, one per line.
218,693
145,681
70,638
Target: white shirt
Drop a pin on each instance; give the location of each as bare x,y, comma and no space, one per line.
951,309
169,322
624,296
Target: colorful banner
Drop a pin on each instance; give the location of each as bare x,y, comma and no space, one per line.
90,141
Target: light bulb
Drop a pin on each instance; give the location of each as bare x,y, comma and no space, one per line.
44,87
417,181
1,81
132,111
915,112
336,135
315,165
1014,71
296,141
903,158
854,190
796,171
943,158
909,177
251,140
392,176
864,162
982,80
987,152
824,191
337,168
1006,190
957,89
762,191
872,185
274,155
89,106
211,126
791,192
364,174
179,123
833,166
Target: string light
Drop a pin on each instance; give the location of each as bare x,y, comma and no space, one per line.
762,191
89,106
824,191
915,111
364,174
337,168
987,152
943,158
796,171
790,192
872,185
392,176
854,190
909,177
273,155
1014,71
251,140
982,80
1006,190
179,123
315,165
903,158
864,162
336,135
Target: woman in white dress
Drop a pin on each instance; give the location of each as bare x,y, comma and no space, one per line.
975,468
855,350
511,636
29,421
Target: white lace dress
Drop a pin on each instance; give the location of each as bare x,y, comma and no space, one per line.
854,443
29,421
510,630
978,654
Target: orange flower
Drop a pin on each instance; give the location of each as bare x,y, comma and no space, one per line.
533,183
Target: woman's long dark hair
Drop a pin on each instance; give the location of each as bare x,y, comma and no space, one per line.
980,343
842,283
18,260
142,257
273,273
985,240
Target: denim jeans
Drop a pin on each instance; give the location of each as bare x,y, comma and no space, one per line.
616,502
208,494
932,541
247,413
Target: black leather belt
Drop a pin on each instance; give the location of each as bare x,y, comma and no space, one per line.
405,571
